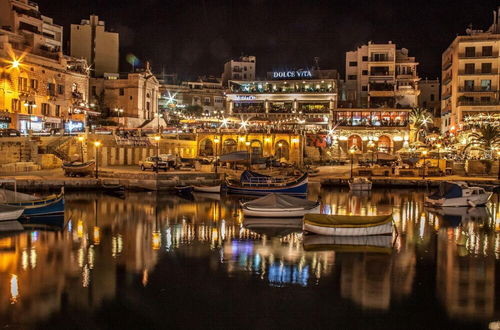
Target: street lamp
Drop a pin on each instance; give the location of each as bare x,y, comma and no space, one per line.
249,154
97,144
352,151
424,153
216,141
81,139
157,139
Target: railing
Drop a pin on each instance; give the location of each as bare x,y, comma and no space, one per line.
447,65
283,90
249,110
478,72
381,87
478,55
382,59
477,89
478,103
381,73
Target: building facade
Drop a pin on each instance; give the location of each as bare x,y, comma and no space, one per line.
242,68
429,98
91,41
40,88
470,77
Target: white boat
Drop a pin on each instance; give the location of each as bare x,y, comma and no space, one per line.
360,184
273,227
455,194
279,206
8,212
348,225
207,189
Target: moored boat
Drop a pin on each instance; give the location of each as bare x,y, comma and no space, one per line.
348,225
78,169
252,183
8,213
207,189
360,184
51,205
455,194
273,227
279,206
348,244
184,189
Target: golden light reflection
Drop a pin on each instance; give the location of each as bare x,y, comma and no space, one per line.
97,235
145,277
79,228
85,276
156,242
14,289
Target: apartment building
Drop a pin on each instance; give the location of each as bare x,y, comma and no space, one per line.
91,41
242,68
470,77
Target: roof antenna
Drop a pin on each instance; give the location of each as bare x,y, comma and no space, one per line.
316,63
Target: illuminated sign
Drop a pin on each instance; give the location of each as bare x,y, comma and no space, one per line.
245,97
292,74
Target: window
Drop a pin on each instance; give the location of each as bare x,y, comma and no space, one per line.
23,84
16,105
365,58
51,89
351,77
354,63
486,85
244,76
60,89
34,84
45,109
425,104
364,72
58,111
469,68
244,68
364,88
147,106
469,85
206,101
94,90
485,99
485,67
122,91
380,57
432,97
487,51
470,51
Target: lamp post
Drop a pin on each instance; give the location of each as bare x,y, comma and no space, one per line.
216,141
249,154
157,139
352,151
424,153
97,144
30,105
81,139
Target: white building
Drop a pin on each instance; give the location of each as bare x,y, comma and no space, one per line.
91,41
242,69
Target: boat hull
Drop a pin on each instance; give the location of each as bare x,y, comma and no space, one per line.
380,243
8,213
383,229
300,188
360,186
207,189
52,206
474,200
278,213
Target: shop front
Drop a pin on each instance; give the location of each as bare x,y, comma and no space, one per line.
30,123
5,120
53,124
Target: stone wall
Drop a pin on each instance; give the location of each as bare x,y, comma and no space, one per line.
19,149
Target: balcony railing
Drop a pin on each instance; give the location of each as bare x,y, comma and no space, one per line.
252,109
477,72
381,87
478,55
382,59
477,89
447,65
381,73
446,80
479,103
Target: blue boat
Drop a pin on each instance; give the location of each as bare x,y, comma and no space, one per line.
252,183
184,190
52,205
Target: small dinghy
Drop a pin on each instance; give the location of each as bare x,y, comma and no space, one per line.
273,227
279,206
207,189
8,213
457,194
360,184
348,225
352,244
184,190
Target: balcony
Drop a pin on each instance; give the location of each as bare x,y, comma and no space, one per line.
477,72
447,80
376,93
388,74
382,59
479,103
447,65
478,55
376,87
477,89
282,110
249,109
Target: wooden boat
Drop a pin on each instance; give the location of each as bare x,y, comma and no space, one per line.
455,194
360,184
252,183
113,188
207,189
10,226
348,225
279,206
79,169
51,205
273,227
184,189
348,244
8,213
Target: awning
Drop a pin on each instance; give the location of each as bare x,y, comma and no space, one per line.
53,120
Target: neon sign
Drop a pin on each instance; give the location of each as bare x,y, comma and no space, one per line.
245,97
292,74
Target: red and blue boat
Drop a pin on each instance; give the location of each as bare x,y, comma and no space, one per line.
253,183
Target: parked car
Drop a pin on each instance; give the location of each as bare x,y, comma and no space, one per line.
172,160
9,132
152,162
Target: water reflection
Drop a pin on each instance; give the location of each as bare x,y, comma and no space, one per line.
109,246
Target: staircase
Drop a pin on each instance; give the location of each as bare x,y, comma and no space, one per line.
57,147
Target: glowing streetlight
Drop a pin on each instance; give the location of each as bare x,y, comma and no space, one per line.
81,139
352,151
156,241
15,64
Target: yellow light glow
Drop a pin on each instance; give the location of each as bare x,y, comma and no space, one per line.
15,64
157,138
97,144
267,139
14,289
156,242
81,138
280,144
79,229
97,235
295,140
216,140
247,143
424,152
241,139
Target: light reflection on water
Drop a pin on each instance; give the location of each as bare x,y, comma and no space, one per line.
45,271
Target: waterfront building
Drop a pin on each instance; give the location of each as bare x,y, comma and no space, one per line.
470,77
242,68
40,88
91,41
132,97
429,98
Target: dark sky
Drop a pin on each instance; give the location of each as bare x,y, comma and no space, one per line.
196,37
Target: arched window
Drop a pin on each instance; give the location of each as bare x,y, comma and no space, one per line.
206,148
256,147
282,150
229,146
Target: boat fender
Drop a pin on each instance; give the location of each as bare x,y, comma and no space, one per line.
471,203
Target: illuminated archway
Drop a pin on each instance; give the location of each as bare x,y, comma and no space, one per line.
256,147
206,148
282,149
355,141
384,143
229,146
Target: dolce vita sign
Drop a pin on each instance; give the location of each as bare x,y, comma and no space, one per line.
292,74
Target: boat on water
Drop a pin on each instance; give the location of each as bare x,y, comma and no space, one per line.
276,205
10,226
455,194
9,213
253,183
360,184
207,189
348,244
454,216
184,189
78,168
348,225
273,227
34,206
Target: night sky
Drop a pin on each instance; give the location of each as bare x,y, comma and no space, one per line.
196,37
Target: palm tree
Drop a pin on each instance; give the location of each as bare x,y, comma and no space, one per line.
485,138
420,118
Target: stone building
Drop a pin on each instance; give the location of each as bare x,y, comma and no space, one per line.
242,68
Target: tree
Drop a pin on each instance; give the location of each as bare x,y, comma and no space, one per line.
420,120
193,110
485,138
